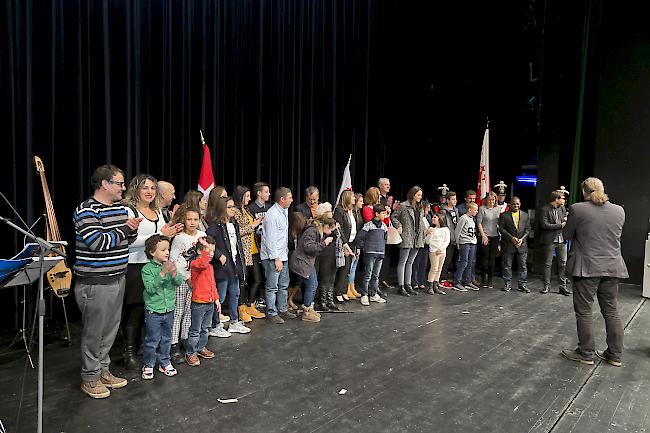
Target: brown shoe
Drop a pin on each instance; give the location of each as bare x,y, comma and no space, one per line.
254,313
192,360
309,315
205,353
111,381
95,389
575,356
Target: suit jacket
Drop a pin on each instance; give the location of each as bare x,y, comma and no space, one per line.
304,209
341,216
595,234
508,231
549,228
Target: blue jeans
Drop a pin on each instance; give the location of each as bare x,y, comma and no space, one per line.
198,335
158,338
276,287
465,263
310,285
371,275
229,286
507,266
353,270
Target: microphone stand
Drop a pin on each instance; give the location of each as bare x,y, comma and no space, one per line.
44,246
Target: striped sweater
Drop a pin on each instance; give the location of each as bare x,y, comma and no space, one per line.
102,241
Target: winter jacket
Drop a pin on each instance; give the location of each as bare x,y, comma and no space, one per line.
413,231
204,286
372,238
310,245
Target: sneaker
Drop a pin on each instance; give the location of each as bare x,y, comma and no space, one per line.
545,290
95,389
223,318
287,315
364,300
378,299
275,319
111,381
205,353
472,286
238,328
147,373
219,332
459,287
524,289
507,288
192,360
609,360
575,356
168,371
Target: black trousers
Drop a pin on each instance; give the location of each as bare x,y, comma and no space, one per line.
341,280
488,258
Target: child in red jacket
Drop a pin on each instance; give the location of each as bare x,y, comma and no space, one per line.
204,300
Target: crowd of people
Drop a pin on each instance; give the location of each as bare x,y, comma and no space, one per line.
172,276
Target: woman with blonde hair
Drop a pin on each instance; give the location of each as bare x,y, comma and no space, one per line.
487,222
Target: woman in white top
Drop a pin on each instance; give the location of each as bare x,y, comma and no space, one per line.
438,241
141,201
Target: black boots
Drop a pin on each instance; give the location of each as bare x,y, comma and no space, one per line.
330,299
410,290
178,357
322,299
433,288
429,290
402,291
131,361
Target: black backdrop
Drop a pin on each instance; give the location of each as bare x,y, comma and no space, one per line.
284,90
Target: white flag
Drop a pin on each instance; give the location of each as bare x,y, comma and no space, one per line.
484,171
346,184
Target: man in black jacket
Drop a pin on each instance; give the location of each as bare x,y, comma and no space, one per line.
514,227
308,207
553,220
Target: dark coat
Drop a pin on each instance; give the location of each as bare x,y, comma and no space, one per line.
595,234
549,228
341,216
219,232
304,209
508,231
310,245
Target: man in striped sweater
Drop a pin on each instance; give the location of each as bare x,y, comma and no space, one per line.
103,233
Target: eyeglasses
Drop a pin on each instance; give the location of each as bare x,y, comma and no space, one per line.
120,184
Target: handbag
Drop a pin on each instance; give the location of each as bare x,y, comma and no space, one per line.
394,237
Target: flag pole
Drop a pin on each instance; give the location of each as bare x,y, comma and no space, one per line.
202,138
349,159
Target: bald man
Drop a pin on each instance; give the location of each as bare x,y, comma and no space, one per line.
167,196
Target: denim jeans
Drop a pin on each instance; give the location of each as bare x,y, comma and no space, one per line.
353,271
158,338
507,266
198,335
310,285
231,287
465,263
276,287
560,254
606,288
405,265
420,266
371,275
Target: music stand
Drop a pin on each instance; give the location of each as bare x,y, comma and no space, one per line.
45,247
26,275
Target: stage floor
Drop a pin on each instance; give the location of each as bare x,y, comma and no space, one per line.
483,361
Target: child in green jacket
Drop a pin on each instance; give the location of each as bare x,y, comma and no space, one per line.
160,280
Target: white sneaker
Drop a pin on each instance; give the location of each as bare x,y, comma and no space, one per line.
378,299
219,332
223,318
238,328
364,300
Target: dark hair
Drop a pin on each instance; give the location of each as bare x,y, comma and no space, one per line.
132,196
209,239
193,198
410,196
451,194
259,186
513,198
469,192
181,212
152,242
555,195
220,211
281,192
442,218
238,195
213,203
297,224
376,209
327,221
103,173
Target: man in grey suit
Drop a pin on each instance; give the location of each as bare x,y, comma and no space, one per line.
551,223
514,227
596,265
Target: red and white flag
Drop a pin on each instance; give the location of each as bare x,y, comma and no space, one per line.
484,172
206,178
346,184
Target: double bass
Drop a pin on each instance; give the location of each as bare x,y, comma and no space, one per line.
60,276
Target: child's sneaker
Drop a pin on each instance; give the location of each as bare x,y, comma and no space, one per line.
238,328
205,353
168,371
219,331
377,298
192,360
147,373
364,300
